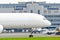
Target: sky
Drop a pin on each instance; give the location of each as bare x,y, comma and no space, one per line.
16,1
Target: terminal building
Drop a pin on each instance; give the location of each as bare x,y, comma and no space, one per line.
50,10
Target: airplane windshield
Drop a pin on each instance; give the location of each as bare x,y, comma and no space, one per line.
44,18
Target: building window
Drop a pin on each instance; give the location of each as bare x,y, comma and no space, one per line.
47,6
55,24
48,15
57,20
13,11
56,11
38,11
53,8
45,11
49,11
52,15
56,15
31,11
18,9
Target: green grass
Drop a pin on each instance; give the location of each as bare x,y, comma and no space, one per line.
33,38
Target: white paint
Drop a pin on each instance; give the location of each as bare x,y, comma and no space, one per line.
1,28
23,20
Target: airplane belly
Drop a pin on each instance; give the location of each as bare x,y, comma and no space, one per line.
22,24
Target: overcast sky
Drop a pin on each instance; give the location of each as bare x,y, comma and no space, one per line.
16,1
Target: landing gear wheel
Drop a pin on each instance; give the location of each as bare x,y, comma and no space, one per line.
30,35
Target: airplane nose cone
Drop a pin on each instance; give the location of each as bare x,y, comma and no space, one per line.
48,23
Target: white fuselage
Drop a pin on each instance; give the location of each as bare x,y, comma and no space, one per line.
23,20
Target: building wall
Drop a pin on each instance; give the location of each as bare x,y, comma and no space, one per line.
34,7
6,10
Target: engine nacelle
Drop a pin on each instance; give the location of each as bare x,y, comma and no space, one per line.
1,28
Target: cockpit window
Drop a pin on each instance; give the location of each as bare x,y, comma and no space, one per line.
44,18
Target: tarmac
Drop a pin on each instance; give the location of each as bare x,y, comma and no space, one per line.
13,35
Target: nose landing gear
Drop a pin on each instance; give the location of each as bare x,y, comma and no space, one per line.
31,35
